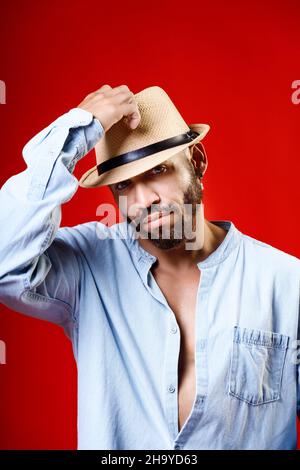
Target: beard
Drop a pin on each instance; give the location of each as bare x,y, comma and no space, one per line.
177,233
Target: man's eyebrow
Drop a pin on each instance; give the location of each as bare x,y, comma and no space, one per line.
123,181
166,162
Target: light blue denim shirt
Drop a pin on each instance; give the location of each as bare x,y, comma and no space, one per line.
96,283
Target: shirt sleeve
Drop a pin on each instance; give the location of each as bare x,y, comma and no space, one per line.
39,271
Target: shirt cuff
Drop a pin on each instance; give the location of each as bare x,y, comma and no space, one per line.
68,138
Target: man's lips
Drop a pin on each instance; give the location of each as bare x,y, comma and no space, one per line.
155,217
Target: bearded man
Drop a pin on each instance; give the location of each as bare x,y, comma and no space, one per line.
183,329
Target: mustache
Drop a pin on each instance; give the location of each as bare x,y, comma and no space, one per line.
147,211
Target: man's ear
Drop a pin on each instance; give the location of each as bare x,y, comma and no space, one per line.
199,158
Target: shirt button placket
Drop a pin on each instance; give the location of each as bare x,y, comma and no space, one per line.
171,377
171,388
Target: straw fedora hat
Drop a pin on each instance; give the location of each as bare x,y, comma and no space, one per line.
122,153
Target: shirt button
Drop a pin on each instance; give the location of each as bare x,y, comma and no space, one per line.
173,329
171,388
177,446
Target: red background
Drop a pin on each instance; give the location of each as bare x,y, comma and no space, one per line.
230,64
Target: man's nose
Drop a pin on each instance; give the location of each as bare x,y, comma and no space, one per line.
144,197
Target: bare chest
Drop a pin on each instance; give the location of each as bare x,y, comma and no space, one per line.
181,295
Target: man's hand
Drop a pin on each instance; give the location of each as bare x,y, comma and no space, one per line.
109,105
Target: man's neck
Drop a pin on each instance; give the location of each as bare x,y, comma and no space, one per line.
179,257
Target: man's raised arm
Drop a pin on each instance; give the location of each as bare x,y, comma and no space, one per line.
39,268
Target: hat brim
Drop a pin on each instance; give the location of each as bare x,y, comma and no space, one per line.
91,179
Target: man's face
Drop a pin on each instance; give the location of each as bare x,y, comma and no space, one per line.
167,194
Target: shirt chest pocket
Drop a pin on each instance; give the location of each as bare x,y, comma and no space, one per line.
257,361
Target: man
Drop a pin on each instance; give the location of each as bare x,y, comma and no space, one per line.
184,330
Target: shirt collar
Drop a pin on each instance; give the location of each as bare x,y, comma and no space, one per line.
229,243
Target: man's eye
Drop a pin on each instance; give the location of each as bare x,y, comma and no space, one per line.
122,185
159,169
156,170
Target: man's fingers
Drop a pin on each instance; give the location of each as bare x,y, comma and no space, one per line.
112,104
123,88
104,88
131,114
133,120
125,100
114,91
